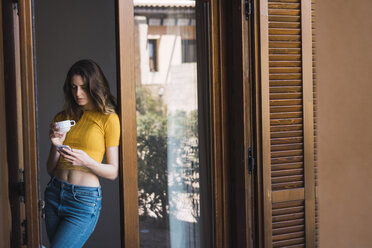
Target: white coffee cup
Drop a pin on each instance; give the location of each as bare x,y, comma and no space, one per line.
65,126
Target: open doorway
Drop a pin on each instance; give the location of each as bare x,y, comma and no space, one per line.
65,32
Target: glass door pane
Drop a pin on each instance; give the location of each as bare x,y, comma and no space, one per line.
167,123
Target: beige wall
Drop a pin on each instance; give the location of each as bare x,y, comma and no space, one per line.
345,122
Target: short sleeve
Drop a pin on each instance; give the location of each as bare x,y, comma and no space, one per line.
112,131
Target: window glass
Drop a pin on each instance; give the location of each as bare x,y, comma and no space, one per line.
167,124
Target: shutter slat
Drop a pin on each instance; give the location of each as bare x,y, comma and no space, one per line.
284,38
287,166
287,223
287,76
286,217
285,70
286,134
292,229
283,179
288,185
275,109
285,154
274,83
285,51
283,12
285,121
295,246
284,1
284,31
286,147
287,127
279,173
288,204
284,5
288,210
296,95
284,44
283,160
282,115
287,243
289,57
285,25
290,140
284,63
278,18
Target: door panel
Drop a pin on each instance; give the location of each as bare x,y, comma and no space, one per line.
165,86
5,225
21,124
169,176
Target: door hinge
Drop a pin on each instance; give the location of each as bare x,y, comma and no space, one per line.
15,5
251,161
247,9
42,208
24,232
21,185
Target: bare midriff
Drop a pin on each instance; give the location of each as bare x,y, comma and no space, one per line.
77,177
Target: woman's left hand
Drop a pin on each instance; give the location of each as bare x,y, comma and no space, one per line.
77,157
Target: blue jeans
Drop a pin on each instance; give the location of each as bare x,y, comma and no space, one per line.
71,213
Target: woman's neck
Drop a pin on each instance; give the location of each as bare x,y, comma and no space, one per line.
89,107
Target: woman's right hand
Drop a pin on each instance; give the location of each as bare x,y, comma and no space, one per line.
56,137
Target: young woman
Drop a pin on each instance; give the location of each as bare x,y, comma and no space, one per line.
73,196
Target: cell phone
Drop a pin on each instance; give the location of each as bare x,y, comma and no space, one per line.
60,147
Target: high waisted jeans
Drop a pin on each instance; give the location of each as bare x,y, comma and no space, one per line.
71,213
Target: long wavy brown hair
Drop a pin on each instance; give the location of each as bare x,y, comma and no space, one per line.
98,89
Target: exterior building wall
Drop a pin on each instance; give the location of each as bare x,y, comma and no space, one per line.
344,54
174,81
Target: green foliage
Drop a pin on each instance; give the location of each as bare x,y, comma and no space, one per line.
151,154
164,142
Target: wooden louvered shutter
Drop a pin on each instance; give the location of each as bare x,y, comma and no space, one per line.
285,28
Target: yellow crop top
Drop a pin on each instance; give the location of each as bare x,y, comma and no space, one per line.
93,133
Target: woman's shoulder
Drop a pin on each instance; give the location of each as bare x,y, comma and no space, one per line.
103,118
60,116
112,119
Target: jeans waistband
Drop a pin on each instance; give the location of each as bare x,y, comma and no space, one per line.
68,186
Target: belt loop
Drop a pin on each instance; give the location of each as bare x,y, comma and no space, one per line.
52,180
99,191
73,189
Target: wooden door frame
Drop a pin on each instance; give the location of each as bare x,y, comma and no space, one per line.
29,123
219,126
128,173
235,70
5,225
23,120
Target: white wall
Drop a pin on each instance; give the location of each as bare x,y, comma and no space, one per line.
66,31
